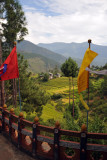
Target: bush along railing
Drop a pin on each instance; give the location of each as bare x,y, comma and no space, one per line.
51,143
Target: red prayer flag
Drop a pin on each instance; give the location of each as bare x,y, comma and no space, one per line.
9,69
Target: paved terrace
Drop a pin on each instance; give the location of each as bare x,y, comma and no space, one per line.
9,152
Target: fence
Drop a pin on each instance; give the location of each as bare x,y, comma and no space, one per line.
50,143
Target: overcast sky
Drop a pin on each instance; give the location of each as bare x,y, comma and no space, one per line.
66,20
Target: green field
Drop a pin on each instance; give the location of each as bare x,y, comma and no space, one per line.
61,86
55,109
49,112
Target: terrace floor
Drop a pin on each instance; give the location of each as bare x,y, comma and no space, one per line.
9,152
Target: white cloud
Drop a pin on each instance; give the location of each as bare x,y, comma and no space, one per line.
74,21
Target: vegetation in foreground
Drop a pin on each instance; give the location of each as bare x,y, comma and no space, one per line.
57,106
50,101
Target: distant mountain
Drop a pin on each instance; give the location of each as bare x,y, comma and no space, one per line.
38,63
44,57
77,50
29,47
39,58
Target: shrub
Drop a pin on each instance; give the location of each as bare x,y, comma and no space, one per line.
91,96
45,77
104,86
69,108
56,96
97,125
59,106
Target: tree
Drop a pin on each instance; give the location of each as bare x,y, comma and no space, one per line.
69,69
32,96
14,28
2,82
43,77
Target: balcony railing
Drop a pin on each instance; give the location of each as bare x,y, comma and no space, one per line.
52,143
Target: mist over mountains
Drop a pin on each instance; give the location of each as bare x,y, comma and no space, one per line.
44,57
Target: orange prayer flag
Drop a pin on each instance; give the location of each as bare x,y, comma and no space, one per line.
83,74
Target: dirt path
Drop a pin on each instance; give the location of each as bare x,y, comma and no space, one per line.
9,152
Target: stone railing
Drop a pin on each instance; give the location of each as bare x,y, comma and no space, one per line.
51,143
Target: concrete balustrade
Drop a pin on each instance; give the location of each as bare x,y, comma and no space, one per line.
49,142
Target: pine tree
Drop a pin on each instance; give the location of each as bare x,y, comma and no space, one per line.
15,28
13,24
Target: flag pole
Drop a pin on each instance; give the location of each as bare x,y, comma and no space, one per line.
19,95
2,82
19,87
89,41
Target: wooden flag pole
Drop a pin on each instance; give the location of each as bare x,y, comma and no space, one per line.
19,94
14,87
89,41
15,43
2,82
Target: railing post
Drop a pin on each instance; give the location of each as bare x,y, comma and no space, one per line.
3,117
83,142
19,129
56,141
10,121
34,142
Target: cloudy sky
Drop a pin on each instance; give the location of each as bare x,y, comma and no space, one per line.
66,20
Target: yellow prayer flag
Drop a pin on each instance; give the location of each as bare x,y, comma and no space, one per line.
83,74
84,103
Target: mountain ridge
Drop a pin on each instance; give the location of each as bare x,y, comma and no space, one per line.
39,58
29,47
77,50
42,59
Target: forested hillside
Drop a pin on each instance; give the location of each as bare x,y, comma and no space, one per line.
38,63
39,58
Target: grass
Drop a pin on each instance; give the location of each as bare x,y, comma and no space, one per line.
49,112
57,83
56,86
61,86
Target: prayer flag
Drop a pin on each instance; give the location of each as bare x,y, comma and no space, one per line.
102,72
83,74
84,103
9,69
